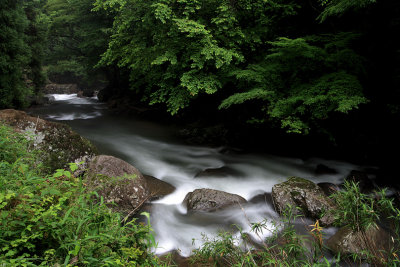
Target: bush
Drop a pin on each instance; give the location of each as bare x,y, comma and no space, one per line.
354,209
47,220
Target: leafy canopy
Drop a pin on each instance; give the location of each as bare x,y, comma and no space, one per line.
177,50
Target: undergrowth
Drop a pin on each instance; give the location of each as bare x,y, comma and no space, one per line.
51,220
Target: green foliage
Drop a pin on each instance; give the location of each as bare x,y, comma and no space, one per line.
339,7
360,211
355,209
22,34
14,54
36,38
303,80
12,146
49,220
177,50
76,39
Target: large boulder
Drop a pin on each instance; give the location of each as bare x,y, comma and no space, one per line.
118,182
59,144
299,192
211,200
374,240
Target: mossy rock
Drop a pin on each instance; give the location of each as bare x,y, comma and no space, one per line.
58,142
299,192
374,240
120,184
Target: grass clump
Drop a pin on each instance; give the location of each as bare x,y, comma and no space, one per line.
51,220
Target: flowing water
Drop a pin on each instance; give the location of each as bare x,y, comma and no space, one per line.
154,150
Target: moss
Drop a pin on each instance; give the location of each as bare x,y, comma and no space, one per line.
300,182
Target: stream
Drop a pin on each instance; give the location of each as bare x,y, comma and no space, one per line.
154,150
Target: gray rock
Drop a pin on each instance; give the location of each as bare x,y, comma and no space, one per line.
50,98
211,200
299,192
346,241
59,144
157,187
117,182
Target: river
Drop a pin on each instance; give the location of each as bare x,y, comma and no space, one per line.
155,150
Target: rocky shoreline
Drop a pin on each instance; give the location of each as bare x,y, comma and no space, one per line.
126,189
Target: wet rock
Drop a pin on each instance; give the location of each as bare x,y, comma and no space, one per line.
299,192
37,100
221,172
55,88
328,188
50,98
360,177
118,183
211,200
322,169
262,198
157,187
79,94
347,241
59,144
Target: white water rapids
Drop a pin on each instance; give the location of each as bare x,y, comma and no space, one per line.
155,151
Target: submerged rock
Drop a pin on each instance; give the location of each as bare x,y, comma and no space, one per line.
299,192
59,144
322,169
374,240
211,200
361,178
328,188
117,182
219,172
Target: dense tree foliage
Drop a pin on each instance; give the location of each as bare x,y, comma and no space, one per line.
77,37
14,53
177,50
